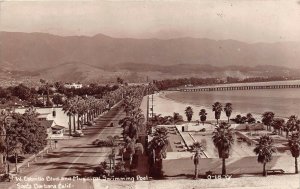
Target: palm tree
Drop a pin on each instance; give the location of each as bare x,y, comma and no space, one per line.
189,113
131,150
223,141
291,125
217,108
16,151
202,115
158,145
198,147
278,124
267,119
250,118
228,110
264,149
69,109
294,144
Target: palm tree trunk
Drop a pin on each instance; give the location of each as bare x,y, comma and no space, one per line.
223,166
228,119
78,122
264,170
16,160
287,134
70,127
153,156
130,159
1,159
196,171
74,124
296,165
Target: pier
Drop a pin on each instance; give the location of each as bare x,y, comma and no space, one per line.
231,88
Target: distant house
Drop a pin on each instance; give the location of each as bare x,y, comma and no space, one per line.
188,85
73,85
53,130
48,125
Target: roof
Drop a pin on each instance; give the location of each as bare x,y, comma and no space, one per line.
58,127
47,123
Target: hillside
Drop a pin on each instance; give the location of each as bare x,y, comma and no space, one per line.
102,58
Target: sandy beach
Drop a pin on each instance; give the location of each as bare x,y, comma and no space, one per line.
166,107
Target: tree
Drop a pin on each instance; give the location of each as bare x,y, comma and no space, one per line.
264,149
69,108
228,110
294,144
177,118
23,134
250,118
120,80
278,124
223,141
22,92
16,151
57,99
202,115
291,125
131,150
267,119
196,157
217,108
157,149
189,113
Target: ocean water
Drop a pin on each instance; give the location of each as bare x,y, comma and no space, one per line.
283,102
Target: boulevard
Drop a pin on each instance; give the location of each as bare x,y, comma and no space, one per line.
72,159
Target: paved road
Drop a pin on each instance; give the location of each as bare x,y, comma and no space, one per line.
72,159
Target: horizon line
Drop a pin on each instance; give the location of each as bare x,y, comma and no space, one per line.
150,38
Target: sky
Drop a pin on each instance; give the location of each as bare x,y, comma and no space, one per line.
243,20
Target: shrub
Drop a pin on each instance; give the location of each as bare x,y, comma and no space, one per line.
100,171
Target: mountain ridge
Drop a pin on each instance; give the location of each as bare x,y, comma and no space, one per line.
41,53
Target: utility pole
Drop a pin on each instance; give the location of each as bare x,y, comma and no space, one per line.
152,107
147,118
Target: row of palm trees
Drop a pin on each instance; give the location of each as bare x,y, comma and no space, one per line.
268,118
132,122
216,107
88,107
290,126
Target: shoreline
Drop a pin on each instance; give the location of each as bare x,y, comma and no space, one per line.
256,115
166,107
210,113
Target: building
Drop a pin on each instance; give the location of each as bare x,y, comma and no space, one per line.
53,130
73,85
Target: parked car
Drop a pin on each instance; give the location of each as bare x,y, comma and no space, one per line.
78,133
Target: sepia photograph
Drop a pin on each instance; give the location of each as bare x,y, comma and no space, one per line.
149,94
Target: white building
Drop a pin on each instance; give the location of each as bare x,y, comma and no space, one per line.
73,85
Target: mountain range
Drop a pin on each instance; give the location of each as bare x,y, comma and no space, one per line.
103,58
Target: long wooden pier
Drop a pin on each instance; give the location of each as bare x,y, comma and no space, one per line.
231,88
